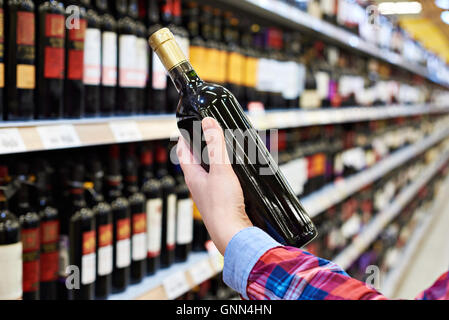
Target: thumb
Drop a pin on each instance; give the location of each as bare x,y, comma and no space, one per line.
216,145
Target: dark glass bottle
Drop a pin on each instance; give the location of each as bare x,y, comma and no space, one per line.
151,188
20,60
168,236
92,62
121,222
108,58
49,233
217,36
50,59
29,223
10,245
156,101
74,60
270,202
184,218
137,203
126,90
2,57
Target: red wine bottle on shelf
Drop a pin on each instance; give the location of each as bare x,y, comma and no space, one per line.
2,56
50,59
10,246
270,202
156,100
74,60
20,60
92,62
168,235
151,188
29,223
49,233
121,222
184,218
137,202
127,37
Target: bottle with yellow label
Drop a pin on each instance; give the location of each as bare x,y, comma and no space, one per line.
211,55
197,48
250,69
217,35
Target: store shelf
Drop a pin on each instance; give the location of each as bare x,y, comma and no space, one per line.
68,133
370,233
393,278
336,192
172,282
292,17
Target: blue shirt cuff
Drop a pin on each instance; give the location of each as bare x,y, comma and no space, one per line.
241,255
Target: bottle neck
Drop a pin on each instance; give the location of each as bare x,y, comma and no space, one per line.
185,78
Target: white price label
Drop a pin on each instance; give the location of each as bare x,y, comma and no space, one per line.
201,271
215,256
61,136
125,131
11,141
175,285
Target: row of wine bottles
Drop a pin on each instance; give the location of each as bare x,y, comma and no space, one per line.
86,224
88,58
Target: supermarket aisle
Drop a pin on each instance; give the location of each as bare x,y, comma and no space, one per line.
432,256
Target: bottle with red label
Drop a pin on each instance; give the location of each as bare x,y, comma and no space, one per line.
108,27
137,203
74,59
50,59
20,60
2,56
121,222
127,58
29,222
151,187
156,101
10,246
168,235
49,232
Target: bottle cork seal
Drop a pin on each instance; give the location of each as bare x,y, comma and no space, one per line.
164,44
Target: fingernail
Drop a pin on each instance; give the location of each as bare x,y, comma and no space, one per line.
207,123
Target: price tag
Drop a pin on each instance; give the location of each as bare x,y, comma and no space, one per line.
61,136
175,285
125,131
11,141
201,271
215,256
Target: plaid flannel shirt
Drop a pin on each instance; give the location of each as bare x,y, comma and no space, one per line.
258,267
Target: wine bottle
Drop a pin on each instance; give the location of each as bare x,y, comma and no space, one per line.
217,36
151,188
50,61
126,91
92,62
137,203
2,56
274,46
184,218
270,201
74,57
329,10
108,27
121,222
200,235
168,241
20,60
29,224
10,246
49,233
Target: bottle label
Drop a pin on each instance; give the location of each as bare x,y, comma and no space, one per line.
184,44
49,250
293,78
30,241
184,222
159,76
210,64
54,46
88,258
235,68
328,7
63,255
197,59
154,226
123,245
264,76
25,68
171,221
2,49
127,61
310,99
139,250
11,275
142,62
76,52
316,165
250,77
109,62
92,57
105,258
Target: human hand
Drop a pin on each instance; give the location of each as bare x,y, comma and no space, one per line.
217,193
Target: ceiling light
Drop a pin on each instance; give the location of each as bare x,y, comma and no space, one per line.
445,17
389,8
443,4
